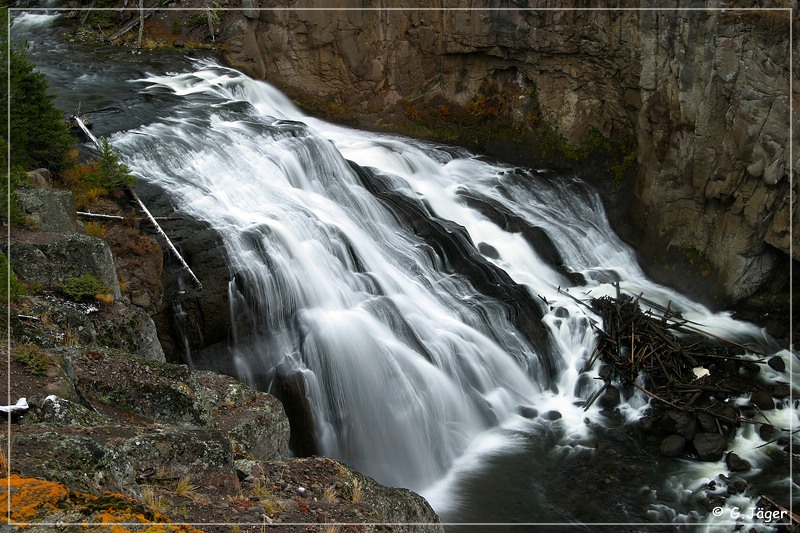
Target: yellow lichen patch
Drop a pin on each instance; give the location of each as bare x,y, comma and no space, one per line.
29,497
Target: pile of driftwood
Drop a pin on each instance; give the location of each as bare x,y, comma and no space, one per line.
673,360
691,375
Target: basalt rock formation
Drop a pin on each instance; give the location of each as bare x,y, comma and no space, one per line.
700,98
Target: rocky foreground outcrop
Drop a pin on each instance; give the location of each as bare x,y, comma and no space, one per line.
115,434
701,96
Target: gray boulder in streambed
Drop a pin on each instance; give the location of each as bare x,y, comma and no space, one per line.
736,463
672,446
679,423
709,446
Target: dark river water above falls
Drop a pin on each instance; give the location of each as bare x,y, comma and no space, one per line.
415,373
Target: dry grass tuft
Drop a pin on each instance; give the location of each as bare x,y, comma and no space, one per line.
95,229
356,491
329,494
185,488
261,488
153,500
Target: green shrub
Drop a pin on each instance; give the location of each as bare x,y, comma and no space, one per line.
10,281
83,288
33,357
8,197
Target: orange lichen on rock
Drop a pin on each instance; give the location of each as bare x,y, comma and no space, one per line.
34,499
26,497
129,517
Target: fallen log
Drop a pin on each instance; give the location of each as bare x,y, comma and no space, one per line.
166,238
794,518
98,215
153,221
138,19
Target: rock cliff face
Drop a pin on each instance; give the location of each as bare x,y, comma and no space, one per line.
703,94
715,116
59,250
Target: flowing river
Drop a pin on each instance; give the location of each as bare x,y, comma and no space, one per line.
417,358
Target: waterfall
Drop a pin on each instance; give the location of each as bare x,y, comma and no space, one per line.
382,277
403,361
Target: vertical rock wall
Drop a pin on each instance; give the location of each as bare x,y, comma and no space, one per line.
713,134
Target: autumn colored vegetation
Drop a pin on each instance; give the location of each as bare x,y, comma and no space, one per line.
31,500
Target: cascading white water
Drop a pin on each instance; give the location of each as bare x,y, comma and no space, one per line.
411,373
400,362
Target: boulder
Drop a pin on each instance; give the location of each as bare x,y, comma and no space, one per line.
781,390
610,398
768,432
709,446
255,422
736,463
56,411
204,454
50,210
66,256
679,423
396,505
40,178
552,415
672,446
110,325
777,363
762,400
706,422
79,461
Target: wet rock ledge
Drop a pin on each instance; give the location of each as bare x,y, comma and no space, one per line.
114,434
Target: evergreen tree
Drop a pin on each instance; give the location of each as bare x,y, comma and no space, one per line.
110,173
38,135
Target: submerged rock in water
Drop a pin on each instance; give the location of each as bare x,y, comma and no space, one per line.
610,398
736,463
777,363
762,400
552,415
768,432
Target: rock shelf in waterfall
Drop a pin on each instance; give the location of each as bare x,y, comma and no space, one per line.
691,376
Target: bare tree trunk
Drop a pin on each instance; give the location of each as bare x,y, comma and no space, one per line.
87,12
141,21
210,23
